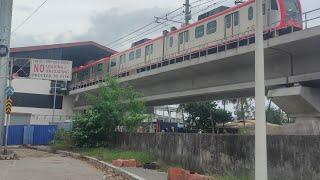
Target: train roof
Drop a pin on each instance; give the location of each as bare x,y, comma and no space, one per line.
190,25
81,68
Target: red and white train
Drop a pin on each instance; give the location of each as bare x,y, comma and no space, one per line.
223,30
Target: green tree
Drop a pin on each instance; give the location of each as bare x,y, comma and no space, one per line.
114,106
205,115
244,108
222,116
200,115
275,116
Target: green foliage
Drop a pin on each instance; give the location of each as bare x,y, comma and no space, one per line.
108,155
205,115
275,116
244,108
200,114
62,140
222,116
115,105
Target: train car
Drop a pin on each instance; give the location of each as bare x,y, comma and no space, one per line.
226,29
90,74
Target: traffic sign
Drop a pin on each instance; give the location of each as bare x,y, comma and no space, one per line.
9,103
9,91
3,50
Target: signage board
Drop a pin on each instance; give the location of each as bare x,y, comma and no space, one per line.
46,69
9,91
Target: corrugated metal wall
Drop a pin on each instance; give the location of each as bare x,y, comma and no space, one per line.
15,135
33,134
43,134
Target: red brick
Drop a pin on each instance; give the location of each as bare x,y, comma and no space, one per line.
118,162
177,174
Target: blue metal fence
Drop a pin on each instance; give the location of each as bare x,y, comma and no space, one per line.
31,134
15,135
43,135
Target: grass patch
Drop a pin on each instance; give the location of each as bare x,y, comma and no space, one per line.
106,154
60,145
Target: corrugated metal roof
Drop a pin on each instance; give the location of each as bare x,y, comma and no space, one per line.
63,45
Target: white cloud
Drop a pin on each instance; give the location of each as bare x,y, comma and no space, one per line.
97,20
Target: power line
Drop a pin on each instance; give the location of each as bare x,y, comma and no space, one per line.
149,24
141,28
144,33
29,17
149,31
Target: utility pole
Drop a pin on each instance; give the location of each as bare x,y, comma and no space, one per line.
261,168
54,100
187,12
5,32
8,119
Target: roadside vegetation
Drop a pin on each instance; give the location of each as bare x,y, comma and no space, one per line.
114,106
117,106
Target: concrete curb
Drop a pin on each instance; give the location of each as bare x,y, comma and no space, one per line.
93,161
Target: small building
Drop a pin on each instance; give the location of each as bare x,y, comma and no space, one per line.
33,99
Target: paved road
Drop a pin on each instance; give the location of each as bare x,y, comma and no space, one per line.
148,174
35,165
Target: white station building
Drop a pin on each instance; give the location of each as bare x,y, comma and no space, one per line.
33,98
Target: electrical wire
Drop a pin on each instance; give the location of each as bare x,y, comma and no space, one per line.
29,17
152,22
150,30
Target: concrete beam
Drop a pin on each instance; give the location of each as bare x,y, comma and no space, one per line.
298,102
301,103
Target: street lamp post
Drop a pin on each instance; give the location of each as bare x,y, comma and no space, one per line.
261,172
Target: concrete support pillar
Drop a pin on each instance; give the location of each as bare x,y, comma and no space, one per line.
302,104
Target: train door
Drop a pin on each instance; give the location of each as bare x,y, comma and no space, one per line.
274,15
183,39
148,52
231,24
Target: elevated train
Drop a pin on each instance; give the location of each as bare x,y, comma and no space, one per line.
222,30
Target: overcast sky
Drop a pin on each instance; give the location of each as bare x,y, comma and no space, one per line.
102,21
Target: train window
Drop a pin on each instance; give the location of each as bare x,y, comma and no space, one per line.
250,13
149,49
274,5
100,67
183,37
236,18
122,58
113,62
131,56
171,41
212,27
186,36
228,21
199,31
138,53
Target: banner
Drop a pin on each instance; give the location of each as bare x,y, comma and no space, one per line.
46,69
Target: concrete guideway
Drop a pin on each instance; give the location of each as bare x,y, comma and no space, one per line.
291,58
37,165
